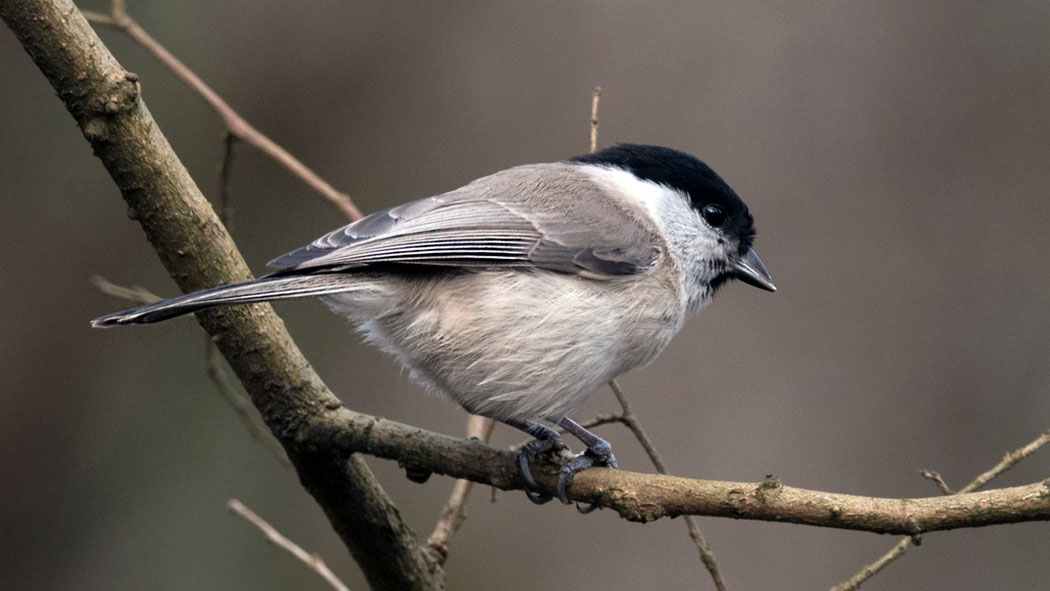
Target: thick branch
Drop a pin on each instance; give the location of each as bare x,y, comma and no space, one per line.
646,497
198,252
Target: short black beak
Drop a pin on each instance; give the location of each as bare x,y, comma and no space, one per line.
749,269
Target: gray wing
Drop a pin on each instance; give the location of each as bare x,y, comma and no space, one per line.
506,219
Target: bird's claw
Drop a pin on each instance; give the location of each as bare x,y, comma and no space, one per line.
599,453
526,455
537,498
587,459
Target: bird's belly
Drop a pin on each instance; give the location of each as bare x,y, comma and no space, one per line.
523,345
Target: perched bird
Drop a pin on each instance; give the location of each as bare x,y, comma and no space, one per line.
520,293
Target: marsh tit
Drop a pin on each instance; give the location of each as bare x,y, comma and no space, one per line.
522,292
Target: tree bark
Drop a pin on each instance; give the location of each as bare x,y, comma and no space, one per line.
647,497
194,246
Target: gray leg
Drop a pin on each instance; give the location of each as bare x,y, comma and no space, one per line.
547,439
598,452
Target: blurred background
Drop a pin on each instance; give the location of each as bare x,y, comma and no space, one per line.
894,155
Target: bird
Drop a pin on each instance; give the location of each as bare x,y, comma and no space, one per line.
520,293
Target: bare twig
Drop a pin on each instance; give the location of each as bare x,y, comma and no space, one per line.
242,407
240,404
452,516
139,295
594,117
936,479
869,570
312,561
301,409
229,142
628,418
636,428
600,420
182,226
237,125
1009,461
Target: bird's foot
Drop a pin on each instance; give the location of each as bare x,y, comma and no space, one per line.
529,452
588,459
599,453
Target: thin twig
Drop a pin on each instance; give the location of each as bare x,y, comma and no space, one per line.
628,418
869,570
229,142
237,125
936,479
312,561
452,516
139,295
594,117
632,423
197,252
600,420
707,556
242,407
240,404
1009,461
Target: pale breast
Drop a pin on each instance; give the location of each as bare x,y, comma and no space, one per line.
525,344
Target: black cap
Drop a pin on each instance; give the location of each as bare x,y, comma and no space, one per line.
683,172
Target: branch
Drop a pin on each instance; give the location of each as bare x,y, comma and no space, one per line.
136,294
312,561
452,515
229,144
237,125
198,253
707,555
898,550
647,497
322,438
936,479
240,405
1009,461
595,97
870,570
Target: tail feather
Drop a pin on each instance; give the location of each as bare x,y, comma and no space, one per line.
259,290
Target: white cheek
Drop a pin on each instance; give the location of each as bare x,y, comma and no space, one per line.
692,243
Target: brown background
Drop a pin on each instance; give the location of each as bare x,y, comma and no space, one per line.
894,155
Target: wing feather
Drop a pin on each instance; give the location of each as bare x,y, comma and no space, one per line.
506,219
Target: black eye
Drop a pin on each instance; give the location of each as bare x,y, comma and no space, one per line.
714,215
